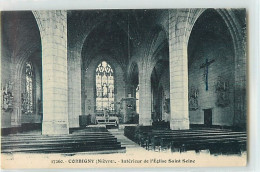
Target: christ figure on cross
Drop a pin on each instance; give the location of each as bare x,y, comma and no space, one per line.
206,70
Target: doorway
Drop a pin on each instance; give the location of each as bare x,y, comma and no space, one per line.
208,117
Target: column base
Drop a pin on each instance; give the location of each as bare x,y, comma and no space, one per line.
180,124
55,128
74,122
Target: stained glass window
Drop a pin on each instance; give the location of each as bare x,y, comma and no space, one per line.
29,88
137,99
104,87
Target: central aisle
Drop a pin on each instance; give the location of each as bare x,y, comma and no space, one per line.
125,142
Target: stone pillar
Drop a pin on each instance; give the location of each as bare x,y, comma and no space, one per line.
74,86
240,108
178,47
53,30
145,97
16,112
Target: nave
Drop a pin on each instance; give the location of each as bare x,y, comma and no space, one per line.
79,70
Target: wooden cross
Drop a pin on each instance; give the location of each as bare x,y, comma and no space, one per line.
206,70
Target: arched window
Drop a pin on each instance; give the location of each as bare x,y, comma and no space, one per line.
137,99
104,87
27,97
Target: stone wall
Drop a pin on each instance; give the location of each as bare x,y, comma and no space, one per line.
216,37
223,67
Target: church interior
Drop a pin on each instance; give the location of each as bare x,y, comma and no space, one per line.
81,80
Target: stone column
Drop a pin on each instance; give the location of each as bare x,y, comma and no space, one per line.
53,29
240,108
16,112
145,97
178,48
74,86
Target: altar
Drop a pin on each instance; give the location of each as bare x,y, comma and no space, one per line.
111,120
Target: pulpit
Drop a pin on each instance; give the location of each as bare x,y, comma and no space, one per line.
128,110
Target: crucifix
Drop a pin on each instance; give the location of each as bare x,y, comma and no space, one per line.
206,70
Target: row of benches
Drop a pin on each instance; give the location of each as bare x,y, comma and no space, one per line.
85,140
183,140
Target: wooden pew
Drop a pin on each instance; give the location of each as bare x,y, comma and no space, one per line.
144,138
156,137
177,140
219,144
79,141
163,139
194,139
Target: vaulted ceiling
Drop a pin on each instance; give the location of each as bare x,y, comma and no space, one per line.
20,33
115,33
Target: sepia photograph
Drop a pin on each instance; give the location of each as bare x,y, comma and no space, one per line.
124,88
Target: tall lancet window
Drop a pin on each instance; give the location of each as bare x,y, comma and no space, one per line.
137,99
104,87
28,88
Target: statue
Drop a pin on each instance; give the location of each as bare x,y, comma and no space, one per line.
193,98
222,90
7,97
